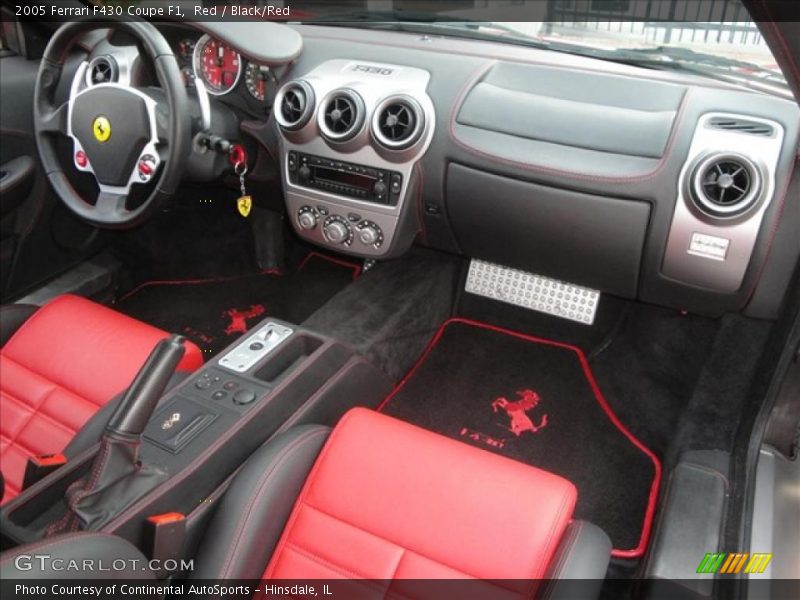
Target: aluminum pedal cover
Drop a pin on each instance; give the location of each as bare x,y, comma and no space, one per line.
531,291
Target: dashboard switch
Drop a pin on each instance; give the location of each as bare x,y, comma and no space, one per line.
397,184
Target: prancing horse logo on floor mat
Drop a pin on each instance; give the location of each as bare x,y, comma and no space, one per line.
518,410
239,318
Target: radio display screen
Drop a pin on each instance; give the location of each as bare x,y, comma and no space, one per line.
349,179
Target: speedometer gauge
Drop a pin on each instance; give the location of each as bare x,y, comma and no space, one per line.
255,76
218,65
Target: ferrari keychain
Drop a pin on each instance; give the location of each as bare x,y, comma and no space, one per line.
245,202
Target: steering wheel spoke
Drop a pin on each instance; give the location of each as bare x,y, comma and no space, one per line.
55,122
110,205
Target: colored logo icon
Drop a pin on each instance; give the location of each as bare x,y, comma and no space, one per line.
730,563
101,127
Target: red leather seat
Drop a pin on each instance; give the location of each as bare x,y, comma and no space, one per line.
62,364
389,504
388,500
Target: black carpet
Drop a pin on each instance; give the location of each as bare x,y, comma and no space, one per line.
532,402
212,313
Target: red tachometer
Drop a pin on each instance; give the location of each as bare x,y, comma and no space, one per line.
217,64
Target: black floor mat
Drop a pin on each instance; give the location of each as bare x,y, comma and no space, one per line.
535,401
214,312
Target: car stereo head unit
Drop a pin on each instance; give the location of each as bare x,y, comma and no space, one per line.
345,179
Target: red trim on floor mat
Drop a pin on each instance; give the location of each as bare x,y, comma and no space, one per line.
276,272
141,286
647,526
356,268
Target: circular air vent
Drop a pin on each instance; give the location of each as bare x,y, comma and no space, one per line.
294,105
725,185
397,123
102,69
342,115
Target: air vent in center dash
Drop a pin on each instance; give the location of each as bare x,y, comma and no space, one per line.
342,115
741,125
295,104
398,123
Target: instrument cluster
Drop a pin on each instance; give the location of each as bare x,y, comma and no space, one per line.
222,69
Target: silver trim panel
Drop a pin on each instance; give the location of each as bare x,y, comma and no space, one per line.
374,83
255,347
687,259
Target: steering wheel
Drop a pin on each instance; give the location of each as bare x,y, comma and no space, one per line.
121,135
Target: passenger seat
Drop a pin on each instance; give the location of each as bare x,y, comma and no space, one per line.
379,499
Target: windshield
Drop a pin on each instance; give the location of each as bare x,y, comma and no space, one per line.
716,38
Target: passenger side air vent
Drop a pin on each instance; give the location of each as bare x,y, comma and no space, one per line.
342,115
102,69
397,123
725,185
294,105
741,125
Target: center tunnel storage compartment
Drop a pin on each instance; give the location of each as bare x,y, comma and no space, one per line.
586,239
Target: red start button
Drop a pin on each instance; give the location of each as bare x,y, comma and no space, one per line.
81,159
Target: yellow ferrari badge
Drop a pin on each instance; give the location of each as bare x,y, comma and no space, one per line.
244,204
101,128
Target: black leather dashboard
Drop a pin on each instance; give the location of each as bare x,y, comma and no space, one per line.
509,116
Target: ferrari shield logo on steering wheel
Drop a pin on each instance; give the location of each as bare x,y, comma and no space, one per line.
101,127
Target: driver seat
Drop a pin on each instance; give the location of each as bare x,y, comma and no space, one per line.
59,365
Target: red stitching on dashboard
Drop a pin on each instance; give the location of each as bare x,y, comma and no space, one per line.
650,510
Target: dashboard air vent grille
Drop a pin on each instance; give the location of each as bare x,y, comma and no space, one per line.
342,115
726,185
102,69
295,105
397,123
741,125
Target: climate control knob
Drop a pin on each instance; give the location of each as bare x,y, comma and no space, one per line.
336,231
369,235
307,220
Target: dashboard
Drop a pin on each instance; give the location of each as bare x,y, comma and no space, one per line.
662,186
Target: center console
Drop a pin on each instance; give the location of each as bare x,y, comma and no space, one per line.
352,134
276,376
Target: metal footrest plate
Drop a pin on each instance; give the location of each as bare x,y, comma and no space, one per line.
531,291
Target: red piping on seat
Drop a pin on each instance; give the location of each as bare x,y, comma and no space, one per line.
647,526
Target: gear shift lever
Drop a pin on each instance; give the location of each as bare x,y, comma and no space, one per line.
117,477
136,408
